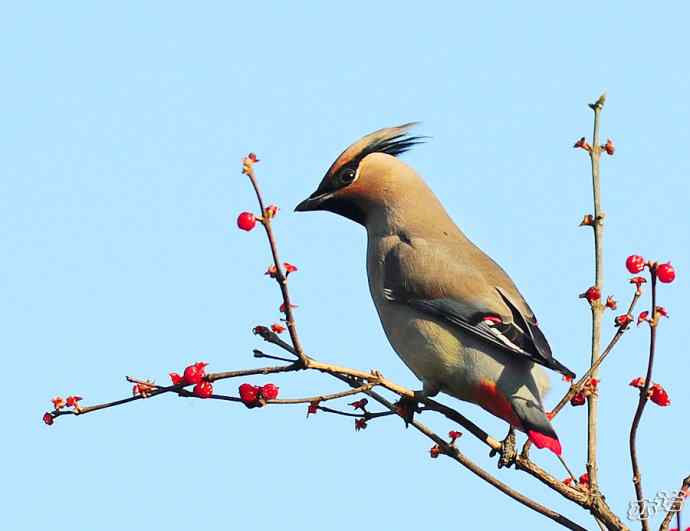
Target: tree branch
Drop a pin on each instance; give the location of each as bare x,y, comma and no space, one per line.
597,306
642,402
684,492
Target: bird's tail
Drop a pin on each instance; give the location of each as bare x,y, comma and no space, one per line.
536,424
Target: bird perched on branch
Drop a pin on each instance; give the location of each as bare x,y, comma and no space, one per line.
451,313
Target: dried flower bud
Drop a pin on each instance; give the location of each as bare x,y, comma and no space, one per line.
313,408
582,143
637,382
622,321
58,402
271,211
588,220
360,404
278,328
609,147
662,311
611,303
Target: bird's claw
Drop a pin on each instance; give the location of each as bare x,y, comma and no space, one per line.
406,408
507,453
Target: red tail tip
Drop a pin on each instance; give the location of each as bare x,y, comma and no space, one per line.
544,441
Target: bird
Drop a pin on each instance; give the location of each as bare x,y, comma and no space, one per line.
450,312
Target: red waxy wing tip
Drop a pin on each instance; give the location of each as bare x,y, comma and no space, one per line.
544,441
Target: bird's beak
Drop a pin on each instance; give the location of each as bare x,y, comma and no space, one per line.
313,202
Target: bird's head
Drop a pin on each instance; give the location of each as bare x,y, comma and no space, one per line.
364,175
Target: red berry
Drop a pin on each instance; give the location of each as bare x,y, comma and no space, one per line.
659,396
193,374
48,419
583,479
270,391
665,273
203,389
175,378
592,294
568,481
634,263
249,394
578,399
246,221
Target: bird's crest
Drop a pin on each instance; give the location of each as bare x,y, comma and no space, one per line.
391,140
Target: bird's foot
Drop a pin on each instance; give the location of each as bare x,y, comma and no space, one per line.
406,408
507,453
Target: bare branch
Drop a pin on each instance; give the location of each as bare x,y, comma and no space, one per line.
684,492
597,306
642,402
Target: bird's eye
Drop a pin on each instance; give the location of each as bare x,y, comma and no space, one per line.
347,175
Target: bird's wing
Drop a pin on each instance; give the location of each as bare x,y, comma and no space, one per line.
481,299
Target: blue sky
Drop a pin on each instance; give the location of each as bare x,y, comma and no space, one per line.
123,129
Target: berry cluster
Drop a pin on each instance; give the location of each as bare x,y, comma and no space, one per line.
656,393
195,375
71,401
256,396
664,272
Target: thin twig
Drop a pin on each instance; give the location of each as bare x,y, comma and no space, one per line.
597,506
642,402
280,276
684,492
322,398
458,456
577,387
260,354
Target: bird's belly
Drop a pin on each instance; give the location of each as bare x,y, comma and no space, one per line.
433,353
459,364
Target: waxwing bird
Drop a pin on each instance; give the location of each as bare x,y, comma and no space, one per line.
451,313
